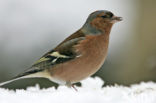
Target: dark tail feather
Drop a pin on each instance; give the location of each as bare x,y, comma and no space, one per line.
9,81
26,74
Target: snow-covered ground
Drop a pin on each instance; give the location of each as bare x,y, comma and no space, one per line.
90,92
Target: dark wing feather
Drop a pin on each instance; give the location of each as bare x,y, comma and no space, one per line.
65,49
63,53
60,54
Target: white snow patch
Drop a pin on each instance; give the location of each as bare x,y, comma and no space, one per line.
90,92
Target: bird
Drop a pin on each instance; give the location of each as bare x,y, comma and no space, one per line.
78,56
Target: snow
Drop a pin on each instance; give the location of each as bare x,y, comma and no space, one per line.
91,91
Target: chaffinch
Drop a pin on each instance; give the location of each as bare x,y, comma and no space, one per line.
78,56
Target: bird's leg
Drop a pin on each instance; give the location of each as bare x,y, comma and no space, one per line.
68,84
74,87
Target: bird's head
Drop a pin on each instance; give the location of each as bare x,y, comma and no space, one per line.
100,21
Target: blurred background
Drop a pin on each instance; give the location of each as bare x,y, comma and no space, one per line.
30,28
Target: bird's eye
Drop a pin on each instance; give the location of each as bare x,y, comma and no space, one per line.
104,16
107,15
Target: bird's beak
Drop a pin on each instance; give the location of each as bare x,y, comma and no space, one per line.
115,19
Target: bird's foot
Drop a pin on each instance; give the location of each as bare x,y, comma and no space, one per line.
69,84
74,87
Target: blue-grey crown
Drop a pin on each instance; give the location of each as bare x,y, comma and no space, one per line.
87,28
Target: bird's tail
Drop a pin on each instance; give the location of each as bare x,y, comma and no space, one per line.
20,76
30,73
9,81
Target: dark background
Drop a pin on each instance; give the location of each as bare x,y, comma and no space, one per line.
30,28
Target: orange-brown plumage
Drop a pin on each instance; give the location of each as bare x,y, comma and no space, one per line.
78,56
85,65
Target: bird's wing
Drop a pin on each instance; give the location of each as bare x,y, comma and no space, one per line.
63,53
60,54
